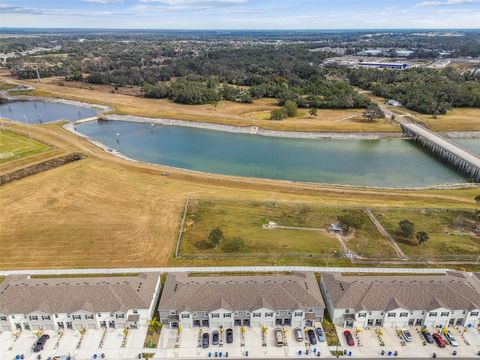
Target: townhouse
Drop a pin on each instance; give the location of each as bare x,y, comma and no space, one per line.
227,301
401,301
81,302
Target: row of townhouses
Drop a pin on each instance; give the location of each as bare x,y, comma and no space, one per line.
72,303
189,301
400,301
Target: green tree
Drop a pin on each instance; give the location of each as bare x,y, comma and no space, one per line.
291,108
407,228
373,113
351,220
313,112
277,114
421,237
215,237
233,246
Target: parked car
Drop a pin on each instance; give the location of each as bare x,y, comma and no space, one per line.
40,343
439,340
215,337
428,337
349,337
320,334
406,335
205,340
451,339
311,337
229,336
298,334
278,336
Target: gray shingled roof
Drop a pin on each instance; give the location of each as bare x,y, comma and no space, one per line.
275,292
455,290
22,295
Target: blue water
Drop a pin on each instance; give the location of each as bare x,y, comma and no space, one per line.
36,112
470,144
386,163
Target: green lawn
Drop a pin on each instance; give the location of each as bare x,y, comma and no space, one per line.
13,146
244,220
452,232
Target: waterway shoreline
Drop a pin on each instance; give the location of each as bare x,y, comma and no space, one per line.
71,128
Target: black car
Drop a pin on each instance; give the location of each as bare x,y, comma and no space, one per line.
215,338
229,335
428,337
40,343
205,340
311,337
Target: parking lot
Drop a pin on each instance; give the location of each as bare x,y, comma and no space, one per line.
250,343
368,343
108,342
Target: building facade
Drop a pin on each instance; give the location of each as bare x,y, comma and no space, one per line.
228,301
401,301
74,303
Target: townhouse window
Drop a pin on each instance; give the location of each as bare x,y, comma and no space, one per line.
13,316
99,315
423,312
257,315
194,314
443,314
76,317
227,315
299,313
215,315
347,311
185,316
120,316
135,311
33,317
403,314
45,317
269,314
464,312
432,314
474,313
172,312
362,315
391,315
3,318
89,317
310,310
56,315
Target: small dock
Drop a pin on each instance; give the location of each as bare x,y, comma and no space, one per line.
81,121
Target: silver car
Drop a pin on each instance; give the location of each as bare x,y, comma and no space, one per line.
407,336
298,334
451,339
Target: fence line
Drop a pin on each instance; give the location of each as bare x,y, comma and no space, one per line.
229,269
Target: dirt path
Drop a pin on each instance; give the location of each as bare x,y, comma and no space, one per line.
386,234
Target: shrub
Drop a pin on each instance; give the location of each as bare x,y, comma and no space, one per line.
233,246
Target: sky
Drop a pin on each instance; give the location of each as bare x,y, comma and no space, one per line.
241,14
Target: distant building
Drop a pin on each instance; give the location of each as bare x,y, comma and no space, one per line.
370,52
335,228
400,301
393,102
404,53
398,66
214,301
79,302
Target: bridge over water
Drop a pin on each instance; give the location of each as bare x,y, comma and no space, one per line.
453,154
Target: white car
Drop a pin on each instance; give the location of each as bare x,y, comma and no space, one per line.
451,339
407,336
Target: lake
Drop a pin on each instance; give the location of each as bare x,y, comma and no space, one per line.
36,112
384,163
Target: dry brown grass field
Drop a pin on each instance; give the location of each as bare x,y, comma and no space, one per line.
108,212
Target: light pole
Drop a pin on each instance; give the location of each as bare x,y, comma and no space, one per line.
28,126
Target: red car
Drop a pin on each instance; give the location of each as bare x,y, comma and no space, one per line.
439,340
349,338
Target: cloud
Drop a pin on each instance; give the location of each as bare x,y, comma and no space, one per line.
446,3
150,5
104,1
14,9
